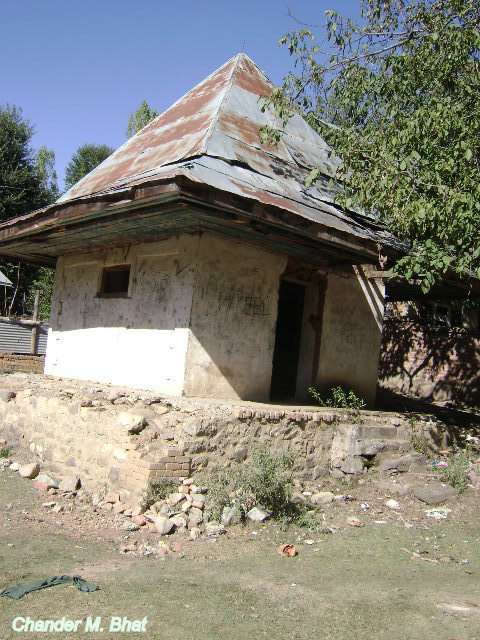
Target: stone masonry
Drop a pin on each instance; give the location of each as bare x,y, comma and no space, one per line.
121,439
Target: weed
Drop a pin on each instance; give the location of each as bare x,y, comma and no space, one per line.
158,490
305,519
265,481
456,473
5,452
338,397
221,483
419,440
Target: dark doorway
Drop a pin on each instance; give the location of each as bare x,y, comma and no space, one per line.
287,341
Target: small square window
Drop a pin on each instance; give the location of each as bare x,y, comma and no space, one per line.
115,281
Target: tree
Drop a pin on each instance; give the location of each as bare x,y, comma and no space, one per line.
141,117
45,165
84,160
26,183
396,95
21,187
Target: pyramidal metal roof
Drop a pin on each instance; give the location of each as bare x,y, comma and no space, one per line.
210,137
215,127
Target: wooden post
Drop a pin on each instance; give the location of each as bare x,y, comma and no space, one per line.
33,341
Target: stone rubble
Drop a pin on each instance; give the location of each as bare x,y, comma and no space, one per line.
30,470
186,509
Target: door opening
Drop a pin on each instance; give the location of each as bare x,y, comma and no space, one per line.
287,341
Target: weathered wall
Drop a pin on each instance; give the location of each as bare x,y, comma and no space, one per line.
88,431
351,334
430,362
138,341
233,321
200,319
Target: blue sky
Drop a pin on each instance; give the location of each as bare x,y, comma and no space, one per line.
77,68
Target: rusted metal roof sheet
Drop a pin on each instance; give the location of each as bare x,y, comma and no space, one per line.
211,137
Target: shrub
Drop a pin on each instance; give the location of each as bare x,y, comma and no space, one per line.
338,397
221,483
5,452
265,481
158,490
419,440
304,518
456,473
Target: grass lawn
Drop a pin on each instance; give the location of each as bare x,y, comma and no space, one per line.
358,583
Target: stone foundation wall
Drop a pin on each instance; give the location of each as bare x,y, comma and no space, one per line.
121,439
10,362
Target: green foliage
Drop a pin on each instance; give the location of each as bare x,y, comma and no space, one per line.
456,474
45,165
5,452
266,481
27,182
306,519
396,96
84,160
140,118
419,440
338,397
41,281
21,185
158,490
267,478
221,482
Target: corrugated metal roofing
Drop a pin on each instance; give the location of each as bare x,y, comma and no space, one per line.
211,137
216,125
4,281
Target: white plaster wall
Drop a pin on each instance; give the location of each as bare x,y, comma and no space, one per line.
233,322
351,333
139,341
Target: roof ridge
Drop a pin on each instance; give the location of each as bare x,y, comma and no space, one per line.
214,121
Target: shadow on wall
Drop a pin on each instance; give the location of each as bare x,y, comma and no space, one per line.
430,363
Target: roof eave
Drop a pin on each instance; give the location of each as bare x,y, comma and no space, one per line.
43,225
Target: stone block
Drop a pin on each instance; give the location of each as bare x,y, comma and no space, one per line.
171,453
434,493
133,423
352,465
30,470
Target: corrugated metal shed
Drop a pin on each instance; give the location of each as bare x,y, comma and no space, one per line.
15,337
207,143
4,281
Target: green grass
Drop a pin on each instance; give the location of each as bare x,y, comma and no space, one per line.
359,583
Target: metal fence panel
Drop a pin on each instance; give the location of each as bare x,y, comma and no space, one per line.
15,337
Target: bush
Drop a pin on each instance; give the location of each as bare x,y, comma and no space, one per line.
5,452
338,397
221,484
265,481
456,473
158,490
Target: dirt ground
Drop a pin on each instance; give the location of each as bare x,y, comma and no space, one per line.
403,574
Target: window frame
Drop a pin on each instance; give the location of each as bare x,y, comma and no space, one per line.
111,269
